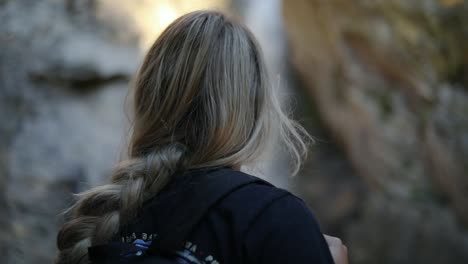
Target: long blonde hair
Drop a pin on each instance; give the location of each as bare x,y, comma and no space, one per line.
201,98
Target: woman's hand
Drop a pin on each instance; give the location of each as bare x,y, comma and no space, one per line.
338,250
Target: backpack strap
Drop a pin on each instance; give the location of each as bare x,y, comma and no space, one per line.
206,191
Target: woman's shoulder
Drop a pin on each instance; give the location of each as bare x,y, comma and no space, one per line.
256,195
270,220
281,227
252,202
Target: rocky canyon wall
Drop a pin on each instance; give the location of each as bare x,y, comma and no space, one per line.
389,80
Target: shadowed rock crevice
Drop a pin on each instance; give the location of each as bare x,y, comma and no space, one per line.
84,81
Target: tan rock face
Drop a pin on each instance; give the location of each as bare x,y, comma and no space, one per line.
390,81
389,78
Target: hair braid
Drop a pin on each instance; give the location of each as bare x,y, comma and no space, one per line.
99,212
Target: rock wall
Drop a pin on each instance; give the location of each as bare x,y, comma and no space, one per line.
63,77
389,81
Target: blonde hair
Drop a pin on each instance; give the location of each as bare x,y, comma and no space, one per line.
201,98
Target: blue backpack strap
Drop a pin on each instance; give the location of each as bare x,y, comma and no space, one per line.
112,252
117,253
207,190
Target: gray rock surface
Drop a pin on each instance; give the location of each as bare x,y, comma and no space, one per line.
64,73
